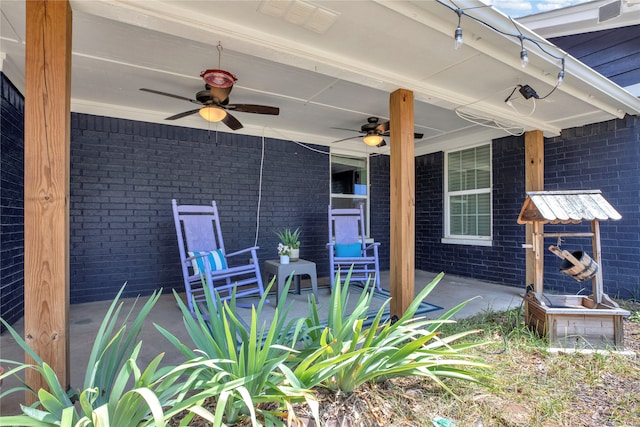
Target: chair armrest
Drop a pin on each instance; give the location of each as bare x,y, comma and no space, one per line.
193,257
372,245
243,251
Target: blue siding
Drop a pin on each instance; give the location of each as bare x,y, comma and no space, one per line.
614,53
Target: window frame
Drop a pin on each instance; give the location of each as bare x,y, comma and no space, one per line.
475,240
367,196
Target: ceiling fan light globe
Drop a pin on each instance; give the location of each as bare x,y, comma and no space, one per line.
372,140
212,114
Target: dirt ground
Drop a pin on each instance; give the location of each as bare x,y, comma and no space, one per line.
416,402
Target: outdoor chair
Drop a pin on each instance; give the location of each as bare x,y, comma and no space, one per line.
205,261
348,248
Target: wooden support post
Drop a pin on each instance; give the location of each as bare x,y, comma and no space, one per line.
47,123
534,181
597,285
402,211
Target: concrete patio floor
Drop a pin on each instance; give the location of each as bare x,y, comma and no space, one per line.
84,320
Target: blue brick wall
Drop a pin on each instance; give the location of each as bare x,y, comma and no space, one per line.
429,209
11,202
603,156
379,206
501,263
125,173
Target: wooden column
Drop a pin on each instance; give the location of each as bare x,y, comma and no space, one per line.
534,181
596,282
402,169
46,186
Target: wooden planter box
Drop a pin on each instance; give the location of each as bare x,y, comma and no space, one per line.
574,321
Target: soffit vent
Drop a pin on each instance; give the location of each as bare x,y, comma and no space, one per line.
609,11
300,13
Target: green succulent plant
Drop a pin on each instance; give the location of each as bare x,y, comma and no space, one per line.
289,238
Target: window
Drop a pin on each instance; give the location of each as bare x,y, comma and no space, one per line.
350,183
468,196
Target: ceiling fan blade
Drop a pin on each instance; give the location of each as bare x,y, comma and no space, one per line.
382,144
415,135
181,115
232,122
382,128
350,130
253,108
346,139
157,92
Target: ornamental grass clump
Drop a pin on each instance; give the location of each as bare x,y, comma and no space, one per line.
116,392
350,349
253,355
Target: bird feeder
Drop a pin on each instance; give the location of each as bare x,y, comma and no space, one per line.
593,321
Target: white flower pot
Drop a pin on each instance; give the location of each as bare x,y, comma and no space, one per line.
295,255
284,259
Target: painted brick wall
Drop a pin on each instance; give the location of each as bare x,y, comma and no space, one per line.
11,202
379,206
603,156
125,173
429,208
145,164
501,263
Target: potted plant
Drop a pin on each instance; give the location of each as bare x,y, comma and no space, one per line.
291,239
284,251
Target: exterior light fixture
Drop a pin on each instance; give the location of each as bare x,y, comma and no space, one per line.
212,114
544,46
457,37
372,139
560,75
524,58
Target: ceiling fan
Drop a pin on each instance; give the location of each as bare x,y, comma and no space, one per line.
214,99
374,133
215,106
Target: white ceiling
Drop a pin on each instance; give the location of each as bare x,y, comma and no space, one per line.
320,78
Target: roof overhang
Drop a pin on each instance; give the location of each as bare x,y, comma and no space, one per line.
329,81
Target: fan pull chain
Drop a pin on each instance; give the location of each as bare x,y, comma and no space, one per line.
219,47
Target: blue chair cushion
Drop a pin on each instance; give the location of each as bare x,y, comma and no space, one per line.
348,250
216,261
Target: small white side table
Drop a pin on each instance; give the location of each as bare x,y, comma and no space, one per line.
298,268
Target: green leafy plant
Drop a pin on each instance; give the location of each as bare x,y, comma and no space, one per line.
289,238
116,392
252,355
345,353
